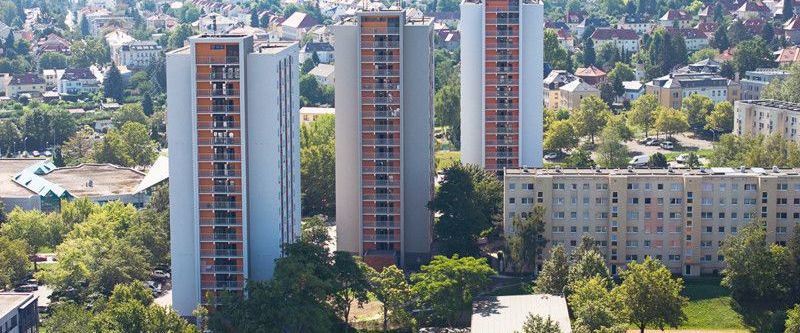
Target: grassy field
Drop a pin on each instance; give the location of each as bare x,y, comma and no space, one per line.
700,153
446,159
711,308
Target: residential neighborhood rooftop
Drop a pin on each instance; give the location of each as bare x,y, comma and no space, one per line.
88,180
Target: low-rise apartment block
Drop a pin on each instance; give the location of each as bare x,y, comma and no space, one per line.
679,216
755,81
673,88
766,117
138,54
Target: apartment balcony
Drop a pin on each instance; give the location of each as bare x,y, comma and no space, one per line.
221,173
220,189
218,77
500,117
380,58
217,109
220,141
380,86
226,269
381,31
502,106
502,21
220,205
222,253
373,169
223,285
221,237
505,94
380,142
219,157
501,142
218,125
502,33
381,197
380,128
381,155
217,92
382,224
501,130
501,154
503,57
218,60
380,183
220,221
379,114
380,72
380,44
381,210
380,100
382,238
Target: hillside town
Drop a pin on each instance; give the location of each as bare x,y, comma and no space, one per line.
528,166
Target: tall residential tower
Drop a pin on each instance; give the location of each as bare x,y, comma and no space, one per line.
384,136
232,125
501,83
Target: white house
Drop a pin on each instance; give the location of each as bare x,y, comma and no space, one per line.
214,23
28,83
296,26
324,73
623,39
324,52
138,54
51,76
78,81
115,40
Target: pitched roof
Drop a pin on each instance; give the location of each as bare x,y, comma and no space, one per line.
323,70
578,85
78,74
612,33
676,14
590,71
707,27
27,78
318,47
753,6
788,55
687,33
793,24
299,20
638,18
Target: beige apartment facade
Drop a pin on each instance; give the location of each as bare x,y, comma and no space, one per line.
679,216
767,117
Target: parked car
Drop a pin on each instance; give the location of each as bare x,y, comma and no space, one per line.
682,158
551,156
652,142
639,160
646,140
36,153
668,145
48,153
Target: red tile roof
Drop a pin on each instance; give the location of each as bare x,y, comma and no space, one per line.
590,71
793,24
789,55
676,14
612,33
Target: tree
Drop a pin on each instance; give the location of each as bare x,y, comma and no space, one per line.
612,153
580,159
670,121
351,284
721,119
317,166
750,271
658,160
52,60
78,149
692,161
391,288
588,264
526,239
468,202
697,107
179,35
594,306
554,54
129,113
751,54
621,72
590,117
560,136
607,92
786,89
113,85
793,318
793,266
447,103
307,66
555,273
650,296
14,262
642,113
538,324
37,229
703,54
254,21
737,32
589,57
10,137
617,125
147,104
87,52
85,26
447,286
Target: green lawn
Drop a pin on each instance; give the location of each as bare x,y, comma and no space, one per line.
446,159
711,308
700,153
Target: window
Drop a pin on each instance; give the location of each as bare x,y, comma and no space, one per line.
558,215
511,200
749,201
632,243
706,202
528,186
676,187
750,187
708,187
706,215
602,187
558,186
722,187
512,186
734,201
660,186
783,186
633,201
646,201
573,215
782,201
721,228
558,229
675,201
780,215
573,229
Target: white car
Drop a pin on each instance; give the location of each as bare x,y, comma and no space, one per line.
550,156
639,160
682,158
48,153
667,145
36,153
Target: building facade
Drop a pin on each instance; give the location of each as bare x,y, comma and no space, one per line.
679,216
755,81
384,136
673,88
78,81
767,117
19,313
501,57
234,169
138,54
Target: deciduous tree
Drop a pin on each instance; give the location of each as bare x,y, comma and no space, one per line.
555,273
590,117
393,291
560,136
526,239
750,271
650,295
539,324
643,112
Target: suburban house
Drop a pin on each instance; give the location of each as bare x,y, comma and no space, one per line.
507,314
296,26
671,89
555,80
791,30
78,81
213,23
676,18
754,82
28,83
571,94
591,75
640,23
51,76
324,73
788,56
324,52
53,43
752,9
138,54
115,40
694,38
623,39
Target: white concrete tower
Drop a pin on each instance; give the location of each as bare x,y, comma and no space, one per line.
501,83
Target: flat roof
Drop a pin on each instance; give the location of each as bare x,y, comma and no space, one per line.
12,301
742,171
507,314
773,104
10,167
106,179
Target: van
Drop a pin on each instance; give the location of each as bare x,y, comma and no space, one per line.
639,160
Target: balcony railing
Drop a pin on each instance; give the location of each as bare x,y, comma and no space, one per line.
380,58
502,21
220,221
380,114
212,60
499,118
381,155
501,154
220,189
509,94
223,285
501,143
217,92
502,33
381,44
502,130
382,238
509,8
502,106
380,169
503,57
218,124
380,86
380,31
380,100
386,142
380,183
221,237
219,157
217,109
220,141
384,196
221,269
221,253
220,205
502,82
217,76
221,173
380,72
381,224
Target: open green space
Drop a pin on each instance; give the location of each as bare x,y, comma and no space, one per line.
446,159
711,308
